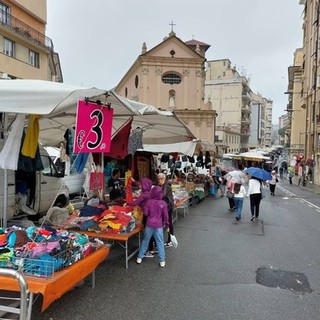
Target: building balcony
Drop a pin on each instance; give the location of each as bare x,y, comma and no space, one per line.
245,108
16,26
245,120
246,96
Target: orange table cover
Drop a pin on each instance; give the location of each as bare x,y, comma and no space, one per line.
62,281
113,236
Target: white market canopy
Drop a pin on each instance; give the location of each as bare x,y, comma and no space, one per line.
253,155
57,103
186,148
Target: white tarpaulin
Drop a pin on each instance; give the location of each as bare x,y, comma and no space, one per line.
186,148
57,103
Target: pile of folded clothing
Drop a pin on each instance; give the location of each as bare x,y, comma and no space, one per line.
40,251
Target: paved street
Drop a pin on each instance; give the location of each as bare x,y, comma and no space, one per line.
213,274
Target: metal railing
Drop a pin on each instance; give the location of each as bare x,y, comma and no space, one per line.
17,26
25,305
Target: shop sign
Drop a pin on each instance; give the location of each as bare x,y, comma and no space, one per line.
93,128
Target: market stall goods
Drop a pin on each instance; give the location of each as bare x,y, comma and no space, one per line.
40,252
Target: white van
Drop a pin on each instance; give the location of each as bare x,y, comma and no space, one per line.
43,189
74,181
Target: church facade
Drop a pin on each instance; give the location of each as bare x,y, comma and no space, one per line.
171,76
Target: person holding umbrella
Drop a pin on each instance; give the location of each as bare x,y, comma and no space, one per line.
256,176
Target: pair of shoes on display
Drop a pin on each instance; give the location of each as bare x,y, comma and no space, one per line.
162,264
149,254
252,218
139,260
168,244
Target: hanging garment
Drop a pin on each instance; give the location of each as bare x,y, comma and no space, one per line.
119,142
81,161
135,141
128,184
29,164
30,142
10,152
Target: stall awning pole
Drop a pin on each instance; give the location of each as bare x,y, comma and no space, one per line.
5,181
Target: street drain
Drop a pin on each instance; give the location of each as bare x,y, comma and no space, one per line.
293,281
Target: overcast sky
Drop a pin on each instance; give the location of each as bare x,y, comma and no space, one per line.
99,40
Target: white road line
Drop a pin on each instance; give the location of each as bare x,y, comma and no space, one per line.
311,205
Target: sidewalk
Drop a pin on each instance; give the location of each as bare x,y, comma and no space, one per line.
310,186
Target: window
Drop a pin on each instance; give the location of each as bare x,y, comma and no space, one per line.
8,47
4,14
136,81
49,168
34,58
171,78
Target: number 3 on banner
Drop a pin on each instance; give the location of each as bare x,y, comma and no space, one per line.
96,129
93,128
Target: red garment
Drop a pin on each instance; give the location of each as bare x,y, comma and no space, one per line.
119,142
129,196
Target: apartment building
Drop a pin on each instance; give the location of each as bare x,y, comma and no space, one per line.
25,50
284,129
230,95
296,107
303,90
261,122
268,129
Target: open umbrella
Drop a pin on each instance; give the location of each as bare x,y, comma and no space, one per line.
259,173
237,175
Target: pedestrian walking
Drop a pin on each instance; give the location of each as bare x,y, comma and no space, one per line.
239,194
230,186
223,186
146,185
168,198
254,192
291,174
156,211
281,170
272,183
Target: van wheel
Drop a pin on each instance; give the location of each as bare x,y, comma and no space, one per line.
61,202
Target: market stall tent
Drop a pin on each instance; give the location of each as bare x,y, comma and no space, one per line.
57,103
186,148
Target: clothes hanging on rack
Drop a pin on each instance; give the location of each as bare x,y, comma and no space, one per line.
10,152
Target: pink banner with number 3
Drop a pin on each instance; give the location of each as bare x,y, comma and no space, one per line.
93,128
